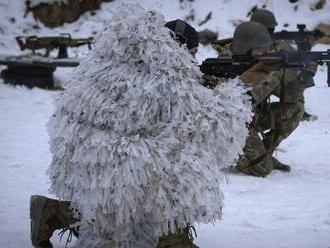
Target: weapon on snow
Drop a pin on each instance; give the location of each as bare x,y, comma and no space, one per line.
230,67
32,70
52,42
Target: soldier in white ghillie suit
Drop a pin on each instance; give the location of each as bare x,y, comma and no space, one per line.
138,143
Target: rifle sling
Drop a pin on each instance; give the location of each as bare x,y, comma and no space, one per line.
278,122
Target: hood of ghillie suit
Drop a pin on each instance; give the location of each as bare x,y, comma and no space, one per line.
138,144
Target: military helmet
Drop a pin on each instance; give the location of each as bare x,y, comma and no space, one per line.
249,35
264,17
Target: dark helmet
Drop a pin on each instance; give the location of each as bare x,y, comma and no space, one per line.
184,33
264,17
249,35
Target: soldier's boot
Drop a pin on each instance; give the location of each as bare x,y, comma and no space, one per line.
308,117
262,166
280,166
182,239
48,215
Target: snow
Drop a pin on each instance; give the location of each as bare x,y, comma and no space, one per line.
283,210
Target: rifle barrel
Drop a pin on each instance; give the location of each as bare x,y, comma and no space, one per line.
231,67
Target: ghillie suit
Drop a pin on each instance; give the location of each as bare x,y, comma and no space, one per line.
138,144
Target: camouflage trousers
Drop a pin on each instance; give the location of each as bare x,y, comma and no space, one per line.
48,215
257,159
291,115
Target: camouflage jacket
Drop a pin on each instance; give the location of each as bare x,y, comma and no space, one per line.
263,83
294,88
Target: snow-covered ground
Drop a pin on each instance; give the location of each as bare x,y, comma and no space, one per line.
283,210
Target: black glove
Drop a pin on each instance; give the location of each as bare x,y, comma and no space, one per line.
306,75
307,78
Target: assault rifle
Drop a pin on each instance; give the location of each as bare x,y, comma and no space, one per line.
52,42
301,37
230,67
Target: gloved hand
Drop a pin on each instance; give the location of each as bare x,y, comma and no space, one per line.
210,81
312,67
307,74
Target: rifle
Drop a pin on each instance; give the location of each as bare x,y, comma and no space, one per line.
52,42
230,67
300,37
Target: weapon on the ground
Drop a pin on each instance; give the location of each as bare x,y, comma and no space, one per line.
33,70
230,67
301,37
52,42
